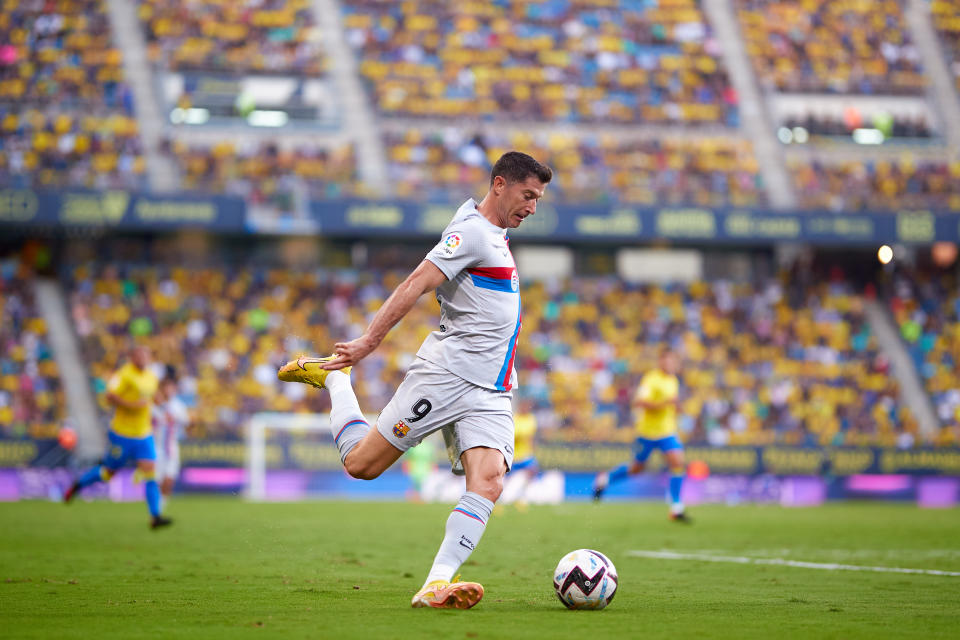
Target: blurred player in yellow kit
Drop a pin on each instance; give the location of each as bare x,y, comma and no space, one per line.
131,391
656,399
525,467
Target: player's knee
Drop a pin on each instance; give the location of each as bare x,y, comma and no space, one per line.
489,486
361,469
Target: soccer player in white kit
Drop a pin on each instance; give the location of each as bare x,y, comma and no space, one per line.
462,378
170,420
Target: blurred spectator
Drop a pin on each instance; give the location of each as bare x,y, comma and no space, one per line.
31,402
831,47
66,116
706,171
265,173
878,185
235,36
559,60
946,20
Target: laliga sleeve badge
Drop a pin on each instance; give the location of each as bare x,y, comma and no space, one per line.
450,244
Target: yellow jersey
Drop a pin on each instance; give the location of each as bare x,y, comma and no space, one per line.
524,428
657,386
133,385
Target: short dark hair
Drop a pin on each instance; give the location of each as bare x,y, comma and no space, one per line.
514,166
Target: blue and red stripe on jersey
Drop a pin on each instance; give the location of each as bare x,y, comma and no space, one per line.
495,278
503,378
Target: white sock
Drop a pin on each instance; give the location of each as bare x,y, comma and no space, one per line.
464,529
347,424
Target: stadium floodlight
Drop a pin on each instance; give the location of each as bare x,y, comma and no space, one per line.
868,136
263,118
189,116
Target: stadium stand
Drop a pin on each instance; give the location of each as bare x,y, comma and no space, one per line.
272,36
579,61
66,115
31,401
265,172
708,171
926,308
775,362
895,126
878,184
946,20
831,47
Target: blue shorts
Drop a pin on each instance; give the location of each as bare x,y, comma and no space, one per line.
643,447
526,463
123,449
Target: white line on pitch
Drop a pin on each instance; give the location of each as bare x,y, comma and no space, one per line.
672,555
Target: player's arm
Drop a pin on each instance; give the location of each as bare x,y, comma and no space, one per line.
115,387
642,399
424,278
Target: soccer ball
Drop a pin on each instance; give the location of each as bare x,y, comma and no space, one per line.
585,579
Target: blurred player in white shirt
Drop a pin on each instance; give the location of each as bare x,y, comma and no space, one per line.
170,420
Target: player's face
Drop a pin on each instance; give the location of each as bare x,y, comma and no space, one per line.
517,200
670,363
140,357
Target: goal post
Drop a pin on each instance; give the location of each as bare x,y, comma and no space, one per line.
255,478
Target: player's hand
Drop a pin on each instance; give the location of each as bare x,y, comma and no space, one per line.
350,353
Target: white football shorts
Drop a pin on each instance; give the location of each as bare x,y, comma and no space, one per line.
431,398
168,460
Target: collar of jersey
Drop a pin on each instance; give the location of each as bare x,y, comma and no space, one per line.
470,206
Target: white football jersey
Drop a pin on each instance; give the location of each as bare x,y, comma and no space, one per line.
479,304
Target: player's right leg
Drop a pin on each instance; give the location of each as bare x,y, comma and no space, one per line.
117,454
364,452
642,450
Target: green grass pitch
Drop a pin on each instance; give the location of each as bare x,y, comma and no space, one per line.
228,569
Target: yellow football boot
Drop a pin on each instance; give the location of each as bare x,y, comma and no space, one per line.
441,594
306,369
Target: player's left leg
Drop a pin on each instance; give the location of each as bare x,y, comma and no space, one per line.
676,463
485,468
146,457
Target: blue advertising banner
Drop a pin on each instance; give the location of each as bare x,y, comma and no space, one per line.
120,209
135,211
604,223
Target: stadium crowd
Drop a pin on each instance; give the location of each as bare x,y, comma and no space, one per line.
926,307
249,36
264,172
706,171
66,115
31,401
773,362
880,185
831,47
559,60
946,20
